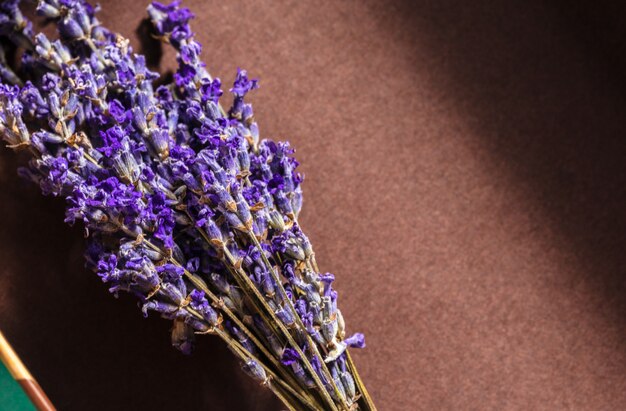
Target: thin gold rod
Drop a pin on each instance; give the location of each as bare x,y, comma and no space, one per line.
20,373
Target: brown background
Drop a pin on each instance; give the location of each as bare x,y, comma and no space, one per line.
465,181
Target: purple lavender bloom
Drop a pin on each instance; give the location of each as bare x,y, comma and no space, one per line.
211,90
243,84
199,303
290,356
357,341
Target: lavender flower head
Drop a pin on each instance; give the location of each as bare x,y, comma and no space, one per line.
183,203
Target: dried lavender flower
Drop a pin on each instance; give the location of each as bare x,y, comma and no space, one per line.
185,206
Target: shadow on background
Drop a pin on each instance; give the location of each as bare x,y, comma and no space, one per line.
543,87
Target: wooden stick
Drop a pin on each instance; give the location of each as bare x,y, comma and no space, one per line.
21,374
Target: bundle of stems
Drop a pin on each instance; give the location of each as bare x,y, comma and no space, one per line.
183,204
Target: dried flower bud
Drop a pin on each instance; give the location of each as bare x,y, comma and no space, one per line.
183,337
70,28
254,370
47,10
347,379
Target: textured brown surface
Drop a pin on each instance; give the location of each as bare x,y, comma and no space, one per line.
465,181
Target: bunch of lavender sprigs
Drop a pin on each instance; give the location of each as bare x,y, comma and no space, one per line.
184,206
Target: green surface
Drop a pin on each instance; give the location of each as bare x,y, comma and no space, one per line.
12,398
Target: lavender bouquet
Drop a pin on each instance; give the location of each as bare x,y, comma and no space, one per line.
184,206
